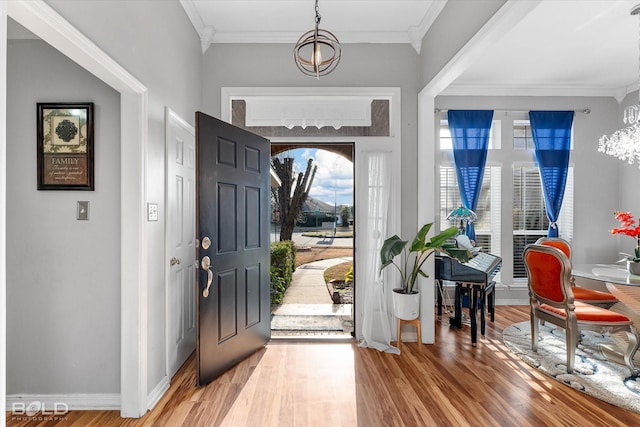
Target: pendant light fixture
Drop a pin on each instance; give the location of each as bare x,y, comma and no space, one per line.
318,51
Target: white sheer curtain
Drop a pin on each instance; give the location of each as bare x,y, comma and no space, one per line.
376,330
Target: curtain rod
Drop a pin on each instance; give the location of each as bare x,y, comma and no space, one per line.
582,111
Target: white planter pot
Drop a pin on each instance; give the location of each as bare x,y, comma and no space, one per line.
406,306
633,268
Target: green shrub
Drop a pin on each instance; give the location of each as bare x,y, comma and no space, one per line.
348,277
277,287
283,261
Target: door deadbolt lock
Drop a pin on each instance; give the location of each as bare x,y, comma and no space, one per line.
175,261
206,243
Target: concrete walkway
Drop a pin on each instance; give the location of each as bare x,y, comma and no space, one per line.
308,294
308,285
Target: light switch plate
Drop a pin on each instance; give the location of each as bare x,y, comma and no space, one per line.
152,211
83,211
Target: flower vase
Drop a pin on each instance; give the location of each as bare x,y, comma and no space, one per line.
406,306
633,267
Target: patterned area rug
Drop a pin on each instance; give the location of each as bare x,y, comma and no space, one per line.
593,373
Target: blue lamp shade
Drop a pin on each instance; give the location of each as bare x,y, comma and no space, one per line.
464,215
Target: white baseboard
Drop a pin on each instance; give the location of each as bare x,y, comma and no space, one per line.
77,402
515,301
156,394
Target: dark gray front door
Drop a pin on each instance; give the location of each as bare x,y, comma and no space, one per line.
233,256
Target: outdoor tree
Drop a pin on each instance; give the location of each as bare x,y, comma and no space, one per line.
345,214
293,192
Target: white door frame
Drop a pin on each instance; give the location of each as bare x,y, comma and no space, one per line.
171,118
42,20
391,143
3,205
504,20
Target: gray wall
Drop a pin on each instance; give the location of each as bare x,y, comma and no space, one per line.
156,43
629,179
374,65
63,278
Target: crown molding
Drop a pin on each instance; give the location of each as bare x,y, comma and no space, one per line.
413,35
520,90
417,33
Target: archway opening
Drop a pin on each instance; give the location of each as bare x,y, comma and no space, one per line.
319,299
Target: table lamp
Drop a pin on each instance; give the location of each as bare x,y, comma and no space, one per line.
464,215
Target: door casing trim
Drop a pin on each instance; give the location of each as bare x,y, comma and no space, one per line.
392,143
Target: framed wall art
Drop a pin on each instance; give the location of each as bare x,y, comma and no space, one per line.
65,146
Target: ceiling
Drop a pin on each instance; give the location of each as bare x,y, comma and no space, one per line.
284,21
563,47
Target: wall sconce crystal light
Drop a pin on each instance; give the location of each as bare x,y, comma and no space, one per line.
625,143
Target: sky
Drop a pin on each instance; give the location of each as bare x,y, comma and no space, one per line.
334,178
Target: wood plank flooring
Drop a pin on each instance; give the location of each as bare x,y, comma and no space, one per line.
290,383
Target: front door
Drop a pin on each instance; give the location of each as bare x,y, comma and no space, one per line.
233,307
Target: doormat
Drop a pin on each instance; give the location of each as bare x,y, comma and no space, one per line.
593,374
305,323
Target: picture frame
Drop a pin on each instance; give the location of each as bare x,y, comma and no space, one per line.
65,146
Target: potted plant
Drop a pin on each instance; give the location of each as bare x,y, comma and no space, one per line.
630,228
406,299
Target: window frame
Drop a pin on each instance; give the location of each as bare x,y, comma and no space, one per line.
504,158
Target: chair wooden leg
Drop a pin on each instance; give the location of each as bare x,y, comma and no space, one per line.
534,332
572,334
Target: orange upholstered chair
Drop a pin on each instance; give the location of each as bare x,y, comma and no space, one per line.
552,300
589,296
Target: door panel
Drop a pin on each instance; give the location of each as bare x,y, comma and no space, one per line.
233,202
252,274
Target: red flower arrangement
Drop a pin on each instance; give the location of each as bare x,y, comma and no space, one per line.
630,228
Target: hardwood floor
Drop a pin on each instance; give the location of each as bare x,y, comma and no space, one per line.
339,384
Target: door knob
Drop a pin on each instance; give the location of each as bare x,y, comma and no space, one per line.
175,261
206,265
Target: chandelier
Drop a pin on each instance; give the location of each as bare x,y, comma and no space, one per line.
318,51
625,143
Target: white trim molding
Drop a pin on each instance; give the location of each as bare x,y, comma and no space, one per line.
3,202
74,402
391,143
42,20
156,394
511,13
306,96
310,110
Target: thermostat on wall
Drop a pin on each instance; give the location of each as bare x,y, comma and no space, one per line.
152,211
